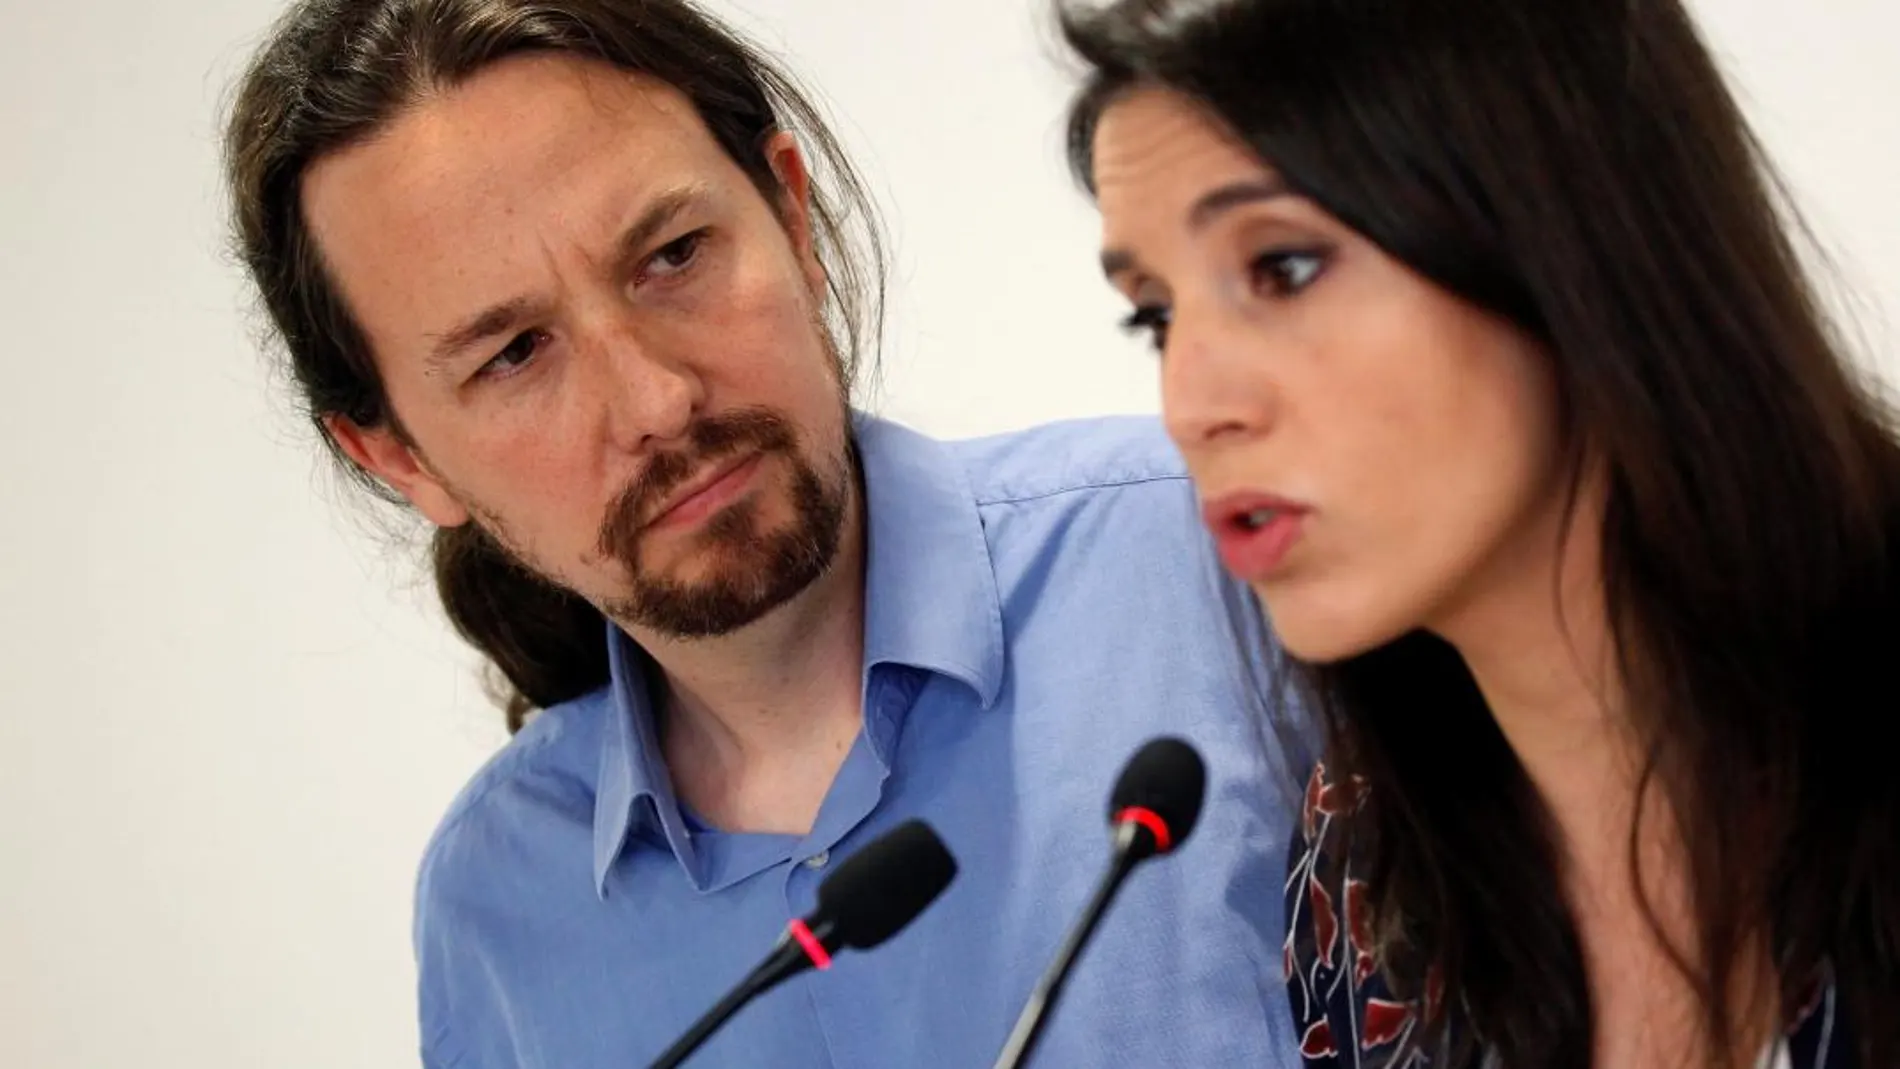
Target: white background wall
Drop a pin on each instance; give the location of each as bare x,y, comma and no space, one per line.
229,715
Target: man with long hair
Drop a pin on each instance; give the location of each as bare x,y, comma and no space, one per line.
586,283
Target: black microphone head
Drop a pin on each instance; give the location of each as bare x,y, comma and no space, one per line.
881,888
1165,778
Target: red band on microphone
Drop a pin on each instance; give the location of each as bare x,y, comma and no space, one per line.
1151,820
813,948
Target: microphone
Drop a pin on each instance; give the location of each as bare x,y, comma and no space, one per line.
872,895
1153,808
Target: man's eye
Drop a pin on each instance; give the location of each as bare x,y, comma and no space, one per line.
676,256
514,356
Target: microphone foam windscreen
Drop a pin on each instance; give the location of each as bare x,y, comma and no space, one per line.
879,889
1168,778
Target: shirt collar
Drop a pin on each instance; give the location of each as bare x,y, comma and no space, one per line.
930,589
632,767
931,602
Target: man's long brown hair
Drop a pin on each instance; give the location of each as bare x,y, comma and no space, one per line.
334,72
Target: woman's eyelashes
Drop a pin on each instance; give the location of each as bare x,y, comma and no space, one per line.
1278,274
1288,272
1152,320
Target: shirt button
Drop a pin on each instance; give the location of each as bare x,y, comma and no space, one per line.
818,860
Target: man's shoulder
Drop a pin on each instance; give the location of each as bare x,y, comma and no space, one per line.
1091,456
552,763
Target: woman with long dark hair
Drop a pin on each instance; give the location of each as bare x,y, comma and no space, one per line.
1485,338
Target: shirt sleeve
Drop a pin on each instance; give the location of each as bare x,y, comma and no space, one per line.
440,1048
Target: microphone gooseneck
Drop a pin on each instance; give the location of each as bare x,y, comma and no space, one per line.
1152,810
870,897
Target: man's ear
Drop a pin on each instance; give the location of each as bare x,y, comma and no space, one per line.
379,451
794,180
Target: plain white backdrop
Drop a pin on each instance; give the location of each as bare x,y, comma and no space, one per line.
229,712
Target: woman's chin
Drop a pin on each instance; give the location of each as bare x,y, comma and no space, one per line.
1317,636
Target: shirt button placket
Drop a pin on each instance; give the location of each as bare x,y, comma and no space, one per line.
801,881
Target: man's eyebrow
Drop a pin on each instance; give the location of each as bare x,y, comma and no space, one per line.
490,322
659,213
499,319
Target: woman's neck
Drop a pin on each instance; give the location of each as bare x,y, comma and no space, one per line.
1533,629
1537,640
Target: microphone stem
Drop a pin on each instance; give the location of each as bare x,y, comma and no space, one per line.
703,1028
787,959
1022,1041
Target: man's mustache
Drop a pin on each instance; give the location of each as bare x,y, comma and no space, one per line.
711,439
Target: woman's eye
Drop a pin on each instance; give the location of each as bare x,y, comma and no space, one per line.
1286,273
1151,319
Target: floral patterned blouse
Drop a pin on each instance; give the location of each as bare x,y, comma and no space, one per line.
1346,1016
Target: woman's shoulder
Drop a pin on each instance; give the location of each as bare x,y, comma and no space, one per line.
1346,1014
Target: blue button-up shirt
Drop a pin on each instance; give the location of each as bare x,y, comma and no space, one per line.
1037,606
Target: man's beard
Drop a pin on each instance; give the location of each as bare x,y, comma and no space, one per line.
755,571
750,571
